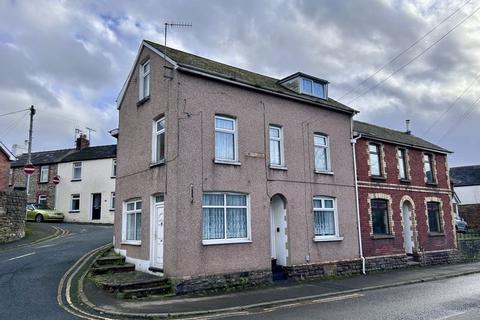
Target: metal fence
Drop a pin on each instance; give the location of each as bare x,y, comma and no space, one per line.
470,235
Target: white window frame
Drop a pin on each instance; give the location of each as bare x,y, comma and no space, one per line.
44,175
141,90
76,165
226,240
10,177
155,135
112,201
235,139
124,221
431,163
402,162
281,151
327,147
379,156
313,82
336,236
73,197
114,168
42,196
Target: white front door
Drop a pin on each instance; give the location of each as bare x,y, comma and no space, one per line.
157,236
407,229
278,215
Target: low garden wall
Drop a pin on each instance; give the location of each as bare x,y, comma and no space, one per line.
12,215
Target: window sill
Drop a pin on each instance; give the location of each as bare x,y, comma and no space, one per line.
143,100
330,173
74,180
111,210
327,239
431,184
277,167
158,163
233,163
43,182
436,234
131,243
406,181
378,178
74,211
113,177
382,236
225,241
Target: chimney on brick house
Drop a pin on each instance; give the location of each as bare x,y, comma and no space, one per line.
82,142
407,124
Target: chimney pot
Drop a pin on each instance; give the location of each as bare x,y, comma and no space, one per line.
82,142
407,124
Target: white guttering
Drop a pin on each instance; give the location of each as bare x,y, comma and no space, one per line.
360,247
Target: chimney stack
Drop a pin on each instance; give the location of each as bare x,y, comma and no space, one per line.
407,123
82,142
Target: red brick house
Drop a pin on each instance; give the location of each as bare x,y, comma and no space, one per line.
404,198
5,158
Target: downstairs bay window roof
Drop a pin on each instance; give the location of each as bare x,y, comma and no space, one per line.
196,65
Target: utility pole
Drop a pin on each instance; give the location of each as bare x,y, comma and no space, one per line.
29,154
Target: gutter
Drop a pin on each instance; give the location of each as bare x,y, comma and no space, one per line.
360,247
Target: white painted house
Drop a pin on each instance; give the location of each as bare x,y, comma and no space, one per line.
86,192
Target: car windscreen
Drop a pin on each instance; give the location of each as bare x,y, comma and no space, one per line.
42,207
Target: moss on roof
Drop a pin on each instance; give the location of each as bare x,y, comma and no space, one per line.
395,136
191,61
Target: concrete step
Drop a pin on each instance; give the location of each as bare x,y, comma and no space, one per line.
109,260
412,263
141,284
143,292
113,268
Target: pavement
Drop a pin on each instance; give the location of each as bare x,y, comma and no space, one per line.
288,292
30,274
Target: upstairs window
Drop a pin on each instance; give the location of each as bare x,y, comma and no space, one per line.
158,141
434,220
276,146
313,88
114,168
374,156
428,168
402,163
144,87
77,171
43,174
322,153
225,139
380,218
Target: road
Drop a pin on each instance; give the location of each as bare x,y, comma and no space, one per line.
451,299
29,276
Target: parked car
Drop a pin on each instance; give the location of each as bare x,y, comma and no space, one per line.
40,212
460,225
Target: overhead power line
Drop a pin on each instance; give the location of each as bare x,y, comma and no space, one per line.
452,104
9,113
464,116
405,50
416,57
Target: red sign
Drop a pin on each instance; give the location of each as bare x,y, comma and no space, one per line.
56,180
29,169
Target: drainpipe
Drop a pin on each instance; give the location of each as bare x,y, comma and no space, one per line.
360,247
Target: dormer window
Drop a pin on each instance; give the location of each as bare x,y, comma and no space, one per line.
313,88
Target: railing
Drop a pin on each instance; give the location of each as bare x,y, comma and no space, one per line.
470,235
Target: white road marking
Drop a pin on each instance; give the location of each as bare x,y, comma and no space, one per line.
22,256
46,246
344,297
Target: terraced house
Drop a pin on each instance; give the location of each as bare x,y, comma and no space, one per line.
226,173
404,199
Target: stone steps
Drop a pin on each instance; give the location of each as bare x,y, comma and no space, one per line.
165,289
110,260
112,268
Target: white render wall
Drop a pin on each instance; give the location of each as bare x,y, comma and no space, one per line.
96,178
468,195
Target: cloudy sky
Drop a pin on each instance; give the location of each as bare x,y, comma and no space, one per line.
70,59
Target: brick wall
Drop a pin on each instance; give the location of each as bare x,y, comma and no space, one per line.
4,171
37,188
12,215
471,214
416,191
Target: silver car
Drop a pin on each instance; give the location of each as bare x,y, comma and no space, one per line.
460,225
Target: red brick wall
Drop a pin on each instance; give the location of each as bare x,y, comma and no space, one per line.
471,214
4,171
417,190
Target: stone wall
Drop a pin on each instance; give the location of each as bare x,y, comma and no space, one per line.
12,215
440,257
223,282
37,188
4,171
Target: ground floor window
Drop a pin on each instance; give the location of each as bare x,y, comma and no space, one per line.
75,202
132,219
225,217
434,220
324,212
42,199
380,220
112,201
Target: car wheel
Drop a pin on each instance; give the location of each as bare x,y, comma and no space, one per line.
38,218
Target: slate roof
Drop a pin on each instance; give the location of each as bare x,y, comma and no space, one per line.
68,155
394,136
227,72
465,176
